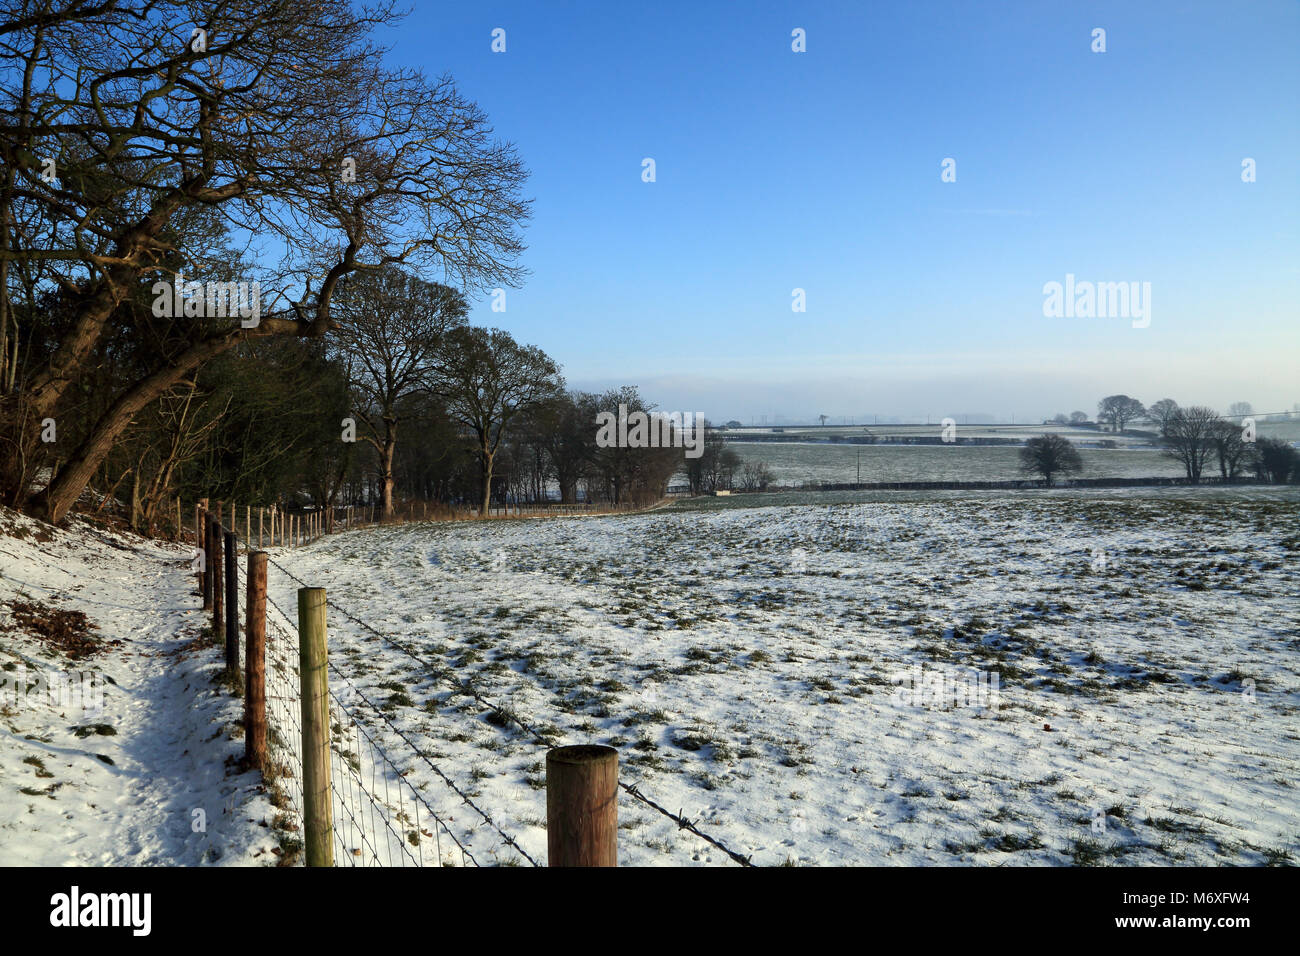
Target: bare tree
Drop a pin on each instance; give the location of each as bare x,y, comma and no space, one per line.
487,380
1119,410
1232,449
284,118
755,476
1189,438
390,331
562,427
1078,418
1240,410
1160,412
1049,455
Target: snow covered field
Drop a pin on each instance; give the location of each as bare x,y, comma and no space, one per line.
799,463
122,756
796,463
811,684
772,672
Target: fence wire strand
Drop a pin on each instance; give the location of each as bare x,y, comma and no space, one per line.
356,841
465,687
367,827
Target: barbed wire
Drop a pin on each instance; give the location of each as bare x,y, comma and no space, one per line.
349,788
509,840
464,687
468,689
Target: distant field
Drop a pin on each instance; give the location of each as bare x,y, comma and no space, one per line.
1290,430
803,462
799,463
1016,432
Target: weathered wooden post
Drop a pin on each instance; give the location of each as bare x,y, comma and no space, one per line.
208,521
582,806
255,663
214,571
259,528
312,667
201,546
232,603
206,547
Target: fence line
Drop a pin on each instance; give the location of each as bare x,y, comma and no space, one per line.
353,688
364,831
360,801
465,687
369,829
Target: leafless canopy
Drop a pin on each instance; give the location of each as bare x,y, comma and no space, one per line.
281,116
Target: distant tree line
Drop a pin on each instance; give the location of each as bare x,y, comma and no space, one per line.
1197,437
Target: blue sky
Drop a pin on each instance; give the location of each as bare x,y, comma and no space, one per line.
821,170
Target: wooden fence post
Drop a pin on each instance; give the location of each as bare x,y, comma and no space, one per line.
255,663
312,667
201,545
207,559
232,602
214,572
582,806
208,521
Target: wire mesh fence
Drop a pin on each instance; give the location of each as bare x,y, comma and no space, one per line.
378,815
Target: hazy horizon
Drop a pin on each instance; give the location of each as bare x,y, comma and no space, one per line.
822,170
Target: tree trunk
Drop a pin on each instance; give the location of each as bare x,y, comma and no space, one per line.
487,481
390,444
64,490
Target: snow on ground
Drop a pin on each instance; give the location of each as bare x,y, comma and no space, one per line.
754,666
769,671
104,759
799,463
